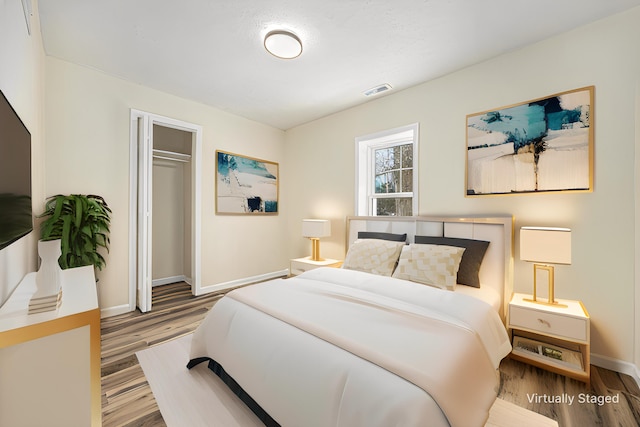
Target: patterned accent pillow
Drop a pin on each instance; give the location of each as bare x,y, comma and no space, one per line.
373,256
434,265
469,271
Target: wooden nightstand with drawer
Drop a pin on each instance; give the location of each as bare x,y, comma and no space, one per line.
552,337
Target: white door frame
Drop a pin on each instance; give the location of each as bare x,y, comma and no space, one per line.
139,243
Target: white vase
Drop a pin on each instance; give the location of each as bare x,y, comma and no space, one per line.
48,276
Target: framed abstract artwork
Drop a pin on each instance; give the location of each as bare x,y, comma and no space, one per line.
245,185
543,145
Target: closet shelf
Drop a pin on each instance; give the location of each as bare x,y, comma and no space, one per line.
171,155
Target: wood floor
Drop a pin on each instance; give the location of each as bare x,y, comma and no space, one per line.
126,396
127,399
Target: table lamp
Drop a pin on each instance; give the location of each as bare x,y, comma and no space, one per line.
544,246
314,229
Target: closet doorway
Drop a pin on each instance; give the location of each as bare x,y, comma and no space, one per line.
164,237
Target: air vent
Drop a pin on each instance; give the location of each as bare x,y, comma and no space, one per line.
378,89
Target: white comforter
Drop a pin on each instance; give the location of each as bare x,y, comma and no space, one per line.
335,347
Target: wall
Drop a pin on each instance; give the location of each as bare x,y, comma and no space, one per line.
321,155
21,80
168,235
88,152
171,207
637,234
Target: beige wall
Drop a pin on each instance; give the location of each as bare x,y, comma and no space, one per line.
321,155
88,152
171,235
21,81
637,233
169,203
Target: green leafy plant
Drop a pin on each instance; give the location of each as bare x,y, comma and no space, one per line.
81,222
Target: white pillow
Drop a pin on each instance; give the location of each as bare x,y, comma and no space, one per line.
373,256
434,265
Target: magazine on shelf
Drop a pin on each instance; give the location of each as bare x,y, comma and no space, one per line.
551,354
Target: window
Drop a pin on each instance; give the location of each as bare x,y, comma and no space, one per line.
386,181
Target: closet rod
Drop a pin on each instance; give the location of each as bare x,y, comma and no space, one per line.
170,158
170,155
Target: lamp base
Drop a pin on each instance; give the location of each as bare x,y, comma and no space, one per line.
542,272
315,249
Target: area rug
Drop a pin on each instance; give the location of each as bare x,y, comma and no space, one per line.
197,397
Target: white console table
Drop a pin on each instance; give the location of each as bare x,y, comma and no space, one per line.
50,362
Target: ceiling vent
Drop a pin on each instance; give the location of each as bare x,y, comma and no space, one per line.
378,89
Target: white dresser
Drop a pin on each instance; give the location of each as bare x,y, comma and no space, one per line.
50,362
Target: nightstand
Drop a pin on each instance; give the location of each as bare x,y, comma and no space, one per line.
300,265
554,338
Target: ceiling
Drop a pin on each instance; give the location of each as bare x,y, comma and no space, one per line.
211,51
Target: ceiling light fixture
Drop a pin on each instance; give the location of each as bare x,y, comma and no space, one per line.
283,44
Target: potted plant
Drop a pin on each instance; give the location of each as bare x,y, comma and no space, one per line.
81,222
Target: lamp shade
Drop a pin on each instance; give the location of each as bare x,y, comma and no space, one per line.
545,244
316,228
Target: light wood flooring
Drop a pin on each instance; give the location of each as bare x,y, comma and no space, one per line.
127,399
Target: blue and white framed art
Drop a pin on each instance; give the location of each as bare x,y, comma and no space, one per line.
245,185
543,145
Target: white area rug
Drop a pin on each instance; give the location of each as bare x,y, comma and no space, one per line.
197,397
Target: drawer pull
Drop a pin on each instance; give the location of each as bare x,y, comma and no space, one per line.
544,322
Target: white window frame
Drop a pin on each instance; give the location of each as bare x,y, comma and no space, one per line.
365,172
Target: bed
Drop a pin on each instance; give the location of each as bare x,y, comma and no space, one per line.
496,268
351,347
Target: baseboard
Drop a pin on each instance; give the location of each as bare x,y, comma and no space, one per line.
114,311
617,365
168,280
244,281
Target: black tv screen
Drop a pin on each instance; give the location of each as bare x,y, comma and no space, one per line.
16,219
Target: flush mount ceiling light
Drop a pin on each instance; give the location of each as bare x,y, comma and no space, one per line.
283,44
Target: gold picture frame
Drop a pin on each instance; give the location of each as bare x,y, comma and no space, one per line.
246,185
538,146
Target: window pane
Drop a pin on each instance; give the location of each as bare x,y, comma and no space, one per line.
385,207
394,206
387,159
407,181
403,207
407,156
387,182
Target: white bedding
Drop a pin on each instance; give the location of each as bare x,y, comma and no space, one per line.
483,293
336,347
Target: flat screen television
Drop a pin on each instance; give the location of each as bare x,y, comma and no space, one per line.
16,218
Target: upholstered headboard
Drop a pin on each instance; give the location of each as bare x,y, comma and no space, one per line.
497,267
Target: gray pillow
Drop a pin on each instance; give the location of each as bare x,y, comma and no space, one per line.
468,273
382,236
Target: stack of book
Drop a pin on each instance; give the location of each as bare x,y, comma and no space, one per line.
45,303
